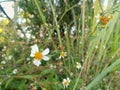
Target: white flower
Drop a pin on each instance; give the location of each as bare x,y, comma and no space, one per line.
62,55
66,82
28,59
8,57
52,66
15,71
79,3
20,34
3,55
39,56
3,62
2,68
78,65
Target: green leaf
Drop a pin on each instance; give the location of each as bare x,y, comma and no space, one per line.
102,74
8,82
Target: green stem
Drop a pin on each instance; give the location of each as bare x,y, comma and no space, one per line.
40,11
66,10
56,22
101,6
83,22
68,46
83,26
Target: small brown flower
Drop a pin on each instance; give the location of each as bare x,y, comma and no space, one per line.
61,48
104,20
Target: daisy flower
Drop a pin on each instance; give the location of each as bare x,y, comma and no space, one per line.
14,71
39,56
78,65
66,82
62,55
3,62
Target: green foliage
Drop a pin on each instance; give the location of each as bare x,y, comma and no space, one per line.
70,26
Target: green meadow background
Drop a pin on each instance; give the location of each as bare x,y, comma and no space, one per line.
71,26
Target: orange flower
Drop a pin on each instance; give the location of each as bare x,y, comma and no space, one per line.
104,20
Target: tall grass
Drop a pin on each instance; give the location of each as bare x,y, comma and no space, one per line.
96,47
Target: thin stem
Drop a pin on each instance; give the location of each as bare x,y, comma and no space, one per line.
74,18
83,26
40,11
56,22
66,10
101,6
83,22
68,46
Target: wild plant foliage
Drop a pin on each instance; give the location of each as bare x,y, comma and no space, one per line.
61,45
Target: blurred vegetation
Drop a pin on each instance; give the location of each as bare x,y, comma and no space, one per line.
86,29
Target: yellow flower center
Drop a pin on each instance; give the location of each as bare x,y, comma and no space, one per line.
78,65
62,54
38,55
66,82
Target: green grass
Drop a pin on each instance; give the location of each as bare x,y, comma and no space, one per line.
95,47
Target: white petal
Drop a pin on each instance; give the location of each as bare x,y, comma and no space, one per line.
64,80
32,53
36,62
68,79
76,62
35,48
65,53
46,51
15,71
78,67
60,57
46,58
